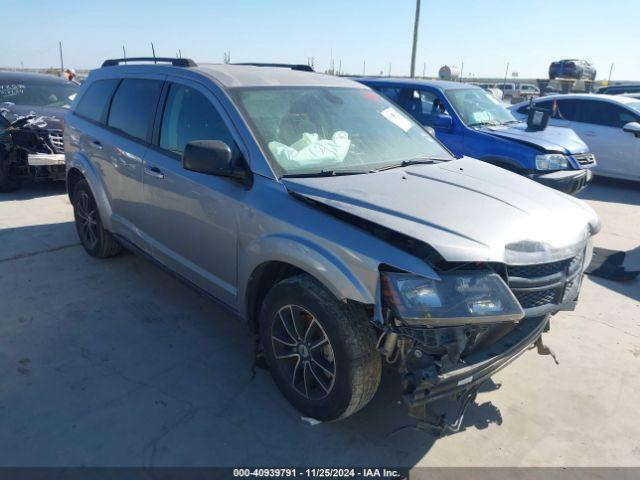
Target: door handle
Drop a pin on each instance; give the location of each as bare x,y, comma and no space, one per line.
154,172
97,144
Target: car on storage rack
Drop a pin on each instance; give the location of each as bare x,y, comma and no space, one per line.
573,68
470,122
32,112
609,124
329,220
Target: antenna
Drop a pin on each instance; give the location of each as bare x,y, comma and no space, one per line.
61,60
153,50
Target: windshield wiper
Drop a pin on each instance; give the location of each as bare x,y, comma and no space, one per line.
491,123
326,173
414,161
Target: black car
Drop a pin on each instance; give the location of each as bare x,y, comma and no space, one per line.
620,89
573,68
32,112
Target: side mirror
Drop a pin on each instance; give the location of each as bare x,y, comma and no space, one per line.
442,121
632,127
212,157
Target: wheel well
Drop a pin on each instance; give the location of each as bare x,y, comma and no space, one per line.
260,282
73,177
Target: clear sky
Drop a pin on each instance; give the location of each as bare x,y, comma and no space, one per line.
485,34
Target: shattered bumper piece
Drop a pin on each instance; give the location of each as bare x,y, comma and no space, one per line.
45,159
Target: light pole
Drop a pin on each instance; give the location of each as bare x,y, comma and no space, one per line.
415,39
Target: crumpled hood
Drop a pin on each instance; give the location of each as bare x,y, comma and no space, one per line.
46,118
466,209
552,139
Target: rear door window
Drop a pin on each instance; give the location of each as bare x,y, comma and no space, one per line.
188,115
134,106
606,114
95,101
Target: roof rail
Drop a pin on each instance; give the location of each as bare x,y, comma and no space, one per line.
176,62
293,66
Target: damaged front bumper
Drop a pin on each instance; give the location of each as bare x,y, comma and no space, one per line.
424,385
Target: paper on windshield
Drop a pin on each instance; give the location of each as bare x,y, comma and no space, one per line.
397,119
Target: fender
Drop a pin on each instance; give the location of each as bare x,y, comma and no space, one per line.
80,162
356,281
317,261
504,162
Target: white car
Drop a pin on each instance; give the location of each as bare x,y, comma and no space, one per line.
608,124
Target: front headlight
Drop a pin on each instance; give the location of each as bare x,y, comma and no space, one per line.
458,298
552,161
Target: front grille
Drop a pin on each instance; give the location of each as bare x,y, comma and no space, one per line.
536,298
585,159
540,270
544,286
57,141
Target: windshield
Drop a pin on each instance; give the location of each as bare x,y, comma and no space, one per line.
476,107
37,94
307,130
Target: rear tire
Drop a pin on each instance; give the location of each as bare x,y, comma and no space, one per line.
96,241
321,351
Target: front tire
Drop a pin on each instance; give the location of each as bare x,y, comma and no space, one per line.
96,241
321,351
7,184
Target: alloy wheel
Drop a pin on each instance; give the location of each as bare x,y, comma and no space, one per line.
303,352
88,219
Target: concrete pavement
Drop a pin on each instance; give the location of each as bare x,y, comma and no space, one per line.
114,362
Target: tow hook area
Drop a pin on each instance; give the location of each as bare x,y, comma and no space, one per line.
428,419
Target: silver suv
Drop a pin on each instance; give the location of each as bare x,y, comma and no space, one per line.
329,220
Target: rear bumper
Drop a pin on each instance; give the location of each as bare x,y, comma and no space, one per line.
45,159
567,181
480,365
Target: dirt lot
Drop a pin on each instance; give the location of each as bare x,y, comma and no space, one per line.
116,363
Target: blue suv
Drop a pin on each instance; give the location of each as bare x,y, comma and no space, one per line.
471,122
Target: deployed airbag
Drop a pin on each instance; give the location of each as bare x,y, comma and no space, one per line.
310,150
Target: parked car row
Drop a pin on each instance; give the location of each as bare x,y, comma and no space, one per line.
470,122
334,223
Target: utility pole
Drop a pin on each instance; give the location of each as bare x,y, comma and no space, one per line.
415,39
424,69
124,54
389,70
461,70
610,72
506,72
153,50
61,59
364,67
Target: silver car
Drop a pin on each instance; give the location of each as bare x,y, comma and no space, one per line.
329,220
